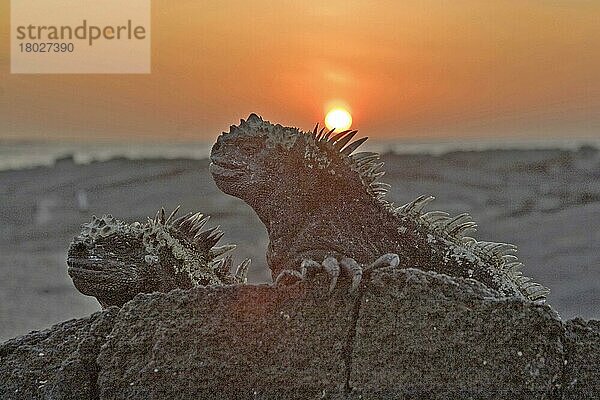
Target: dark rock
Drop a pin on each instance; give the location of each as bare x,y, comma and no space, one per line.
56,363
424,334
229,342
406,334
582,360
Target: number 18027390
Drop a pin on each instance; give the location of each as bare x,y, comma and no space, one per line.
46,47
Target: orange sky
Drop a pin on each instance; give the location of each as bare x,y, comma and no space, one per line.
408,69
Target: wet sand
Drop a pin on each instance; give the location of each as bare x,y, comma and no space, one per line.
547,202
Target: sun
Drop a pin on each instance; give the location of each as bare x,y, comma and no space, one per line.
338,119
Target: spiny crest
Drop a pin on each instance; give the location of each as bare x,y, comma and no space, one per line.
455,230
323,146
189,227
180,233
223,266
324,149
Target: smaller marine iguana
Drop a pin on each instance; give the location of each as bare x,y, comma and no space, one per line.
324,209
113,261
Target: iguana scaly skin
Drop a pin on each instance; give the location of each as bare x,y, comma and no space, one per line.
113,261
319,200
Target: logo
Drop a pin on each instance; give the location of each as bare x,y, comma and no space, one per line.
80,36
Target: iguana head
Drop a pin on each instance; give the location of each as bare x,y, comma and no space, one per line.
265,164
113,261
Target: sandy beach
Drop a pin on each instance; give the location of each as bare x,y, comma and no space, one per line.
547,202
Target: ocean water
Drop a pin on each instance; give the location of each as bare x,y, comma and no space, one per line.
21,155
28,154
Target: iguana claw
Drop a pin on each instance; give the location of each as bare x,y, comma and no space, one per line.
386,260
354,270
331,266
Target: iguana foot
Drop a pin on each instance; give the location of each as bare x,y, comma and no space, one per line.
333,268
288,277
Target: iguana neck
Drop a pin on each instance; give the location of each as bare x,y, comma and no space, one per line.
278,212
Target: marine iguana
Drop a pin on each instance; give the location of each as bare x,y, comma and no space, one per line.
113,261
324,208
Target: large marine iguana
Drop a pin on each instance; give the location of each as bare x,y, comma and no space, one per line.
113,261
324,208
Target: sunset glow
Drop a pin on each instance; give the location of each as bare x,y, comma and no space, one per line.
338,119
403,69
